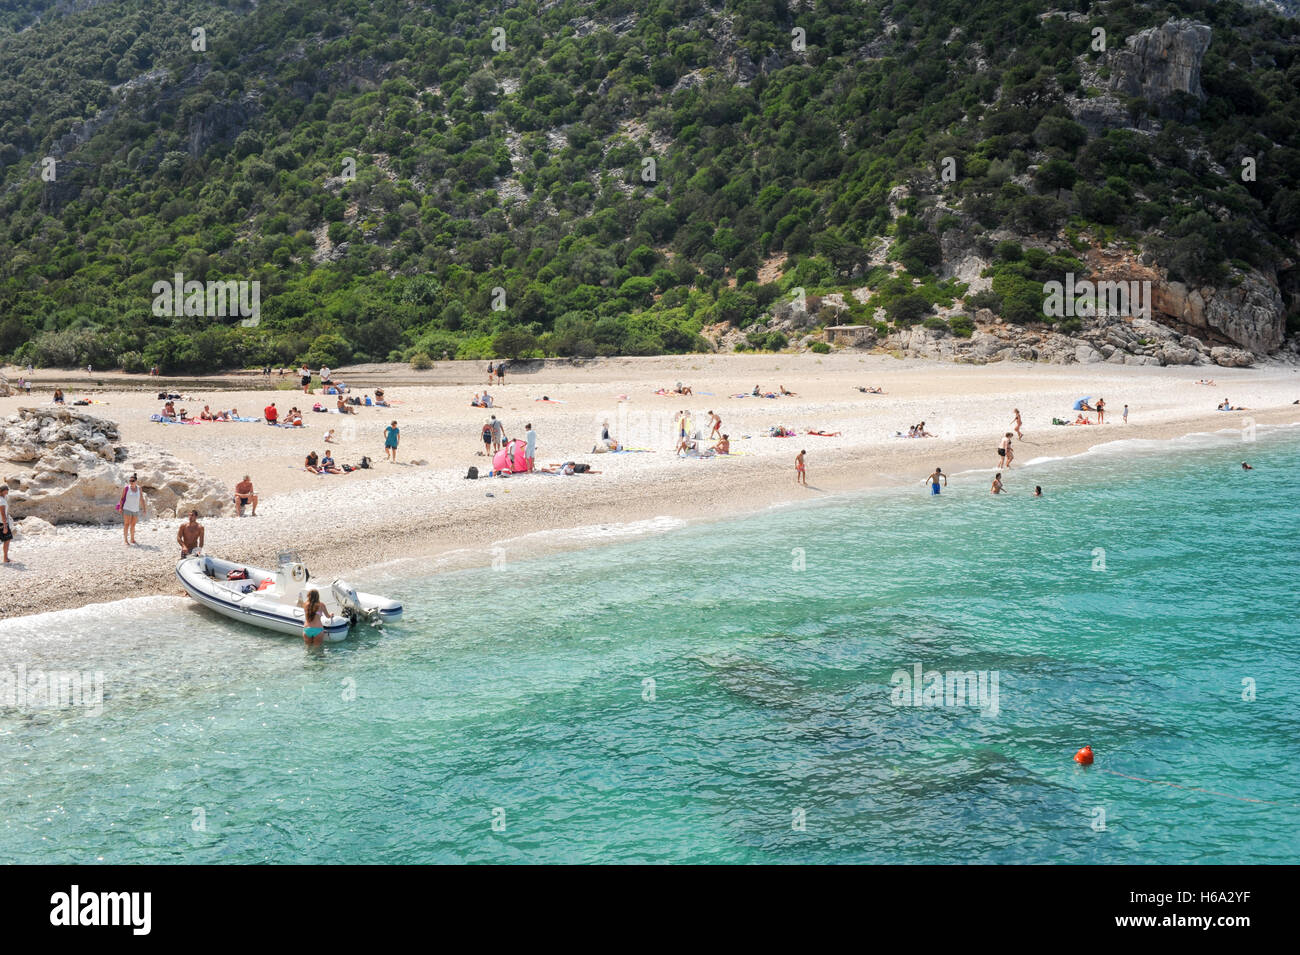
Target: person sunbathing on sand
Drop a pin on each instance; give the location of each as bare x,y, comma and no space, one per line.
312,463
1080,419
343,407
871,391
327,465
723,446
784,392
206,414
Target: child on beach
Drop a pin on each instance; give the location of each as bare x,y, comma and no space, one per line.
391,434
800,469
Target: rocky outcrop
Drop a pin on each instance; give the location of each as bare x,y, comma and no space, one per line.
1159,63
65,466
221,122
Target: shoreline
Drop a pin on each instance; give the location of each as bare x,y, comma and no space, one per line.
426,516
630,516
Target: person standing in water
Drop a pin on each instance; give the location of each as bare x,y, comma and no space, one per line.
997,484
935,477
313,626
1017,423
800,469
1038,490
391,435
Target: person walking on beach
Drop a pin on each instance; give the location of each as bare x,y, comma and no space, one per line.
530,445
190,536
1125,414
391,435
935,477
501,372
132,505
487,438
1005,454
997,484
1101,411
800,469
498,433
6,528
1018,423
491,373
313,627
717,425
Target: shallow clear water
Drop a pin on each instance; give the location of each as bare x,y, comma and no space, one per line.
518,696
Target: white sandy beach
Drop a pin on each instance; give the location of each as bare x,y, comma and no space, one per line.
428,511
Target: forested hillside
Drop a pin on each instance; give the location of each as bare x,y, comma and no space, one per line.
483,179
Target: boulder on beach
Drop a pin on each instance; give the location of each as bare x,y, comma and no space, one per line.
71,468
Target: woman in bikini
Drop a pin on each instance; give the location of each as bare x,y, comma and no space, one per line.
313,628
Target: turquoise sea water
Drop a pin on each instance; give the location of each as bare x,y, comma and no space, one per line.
518,698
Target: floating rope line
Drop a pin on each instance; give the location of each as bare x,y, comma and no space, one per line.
1197,789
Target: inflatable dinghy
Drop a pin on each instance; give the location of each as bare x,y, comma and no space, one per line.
269,598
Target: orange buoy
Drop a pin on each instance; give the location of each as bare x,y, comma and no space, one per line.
1084,756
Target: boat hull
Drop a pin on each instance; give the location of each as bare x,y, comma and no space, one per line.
268,611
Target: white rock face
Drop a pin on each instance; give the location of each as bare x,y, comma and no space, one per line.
73,470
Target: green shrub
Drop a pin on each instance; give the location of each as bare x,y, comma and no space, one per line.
963,326
820,348
421,362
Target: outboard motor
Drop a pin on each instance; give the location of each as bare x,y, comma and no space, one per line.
351,604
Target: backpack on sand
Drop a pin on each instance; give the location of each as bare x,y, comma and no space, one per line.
472,475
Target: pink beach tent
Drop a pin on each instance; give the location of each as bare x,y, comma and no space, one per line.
501,461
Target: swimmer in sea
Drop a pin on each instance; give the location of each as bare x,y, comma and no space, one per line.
1246,467
935,478
1038,490
997,484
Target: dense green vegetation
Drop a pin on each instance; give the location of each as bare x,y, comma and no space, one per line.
514,178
